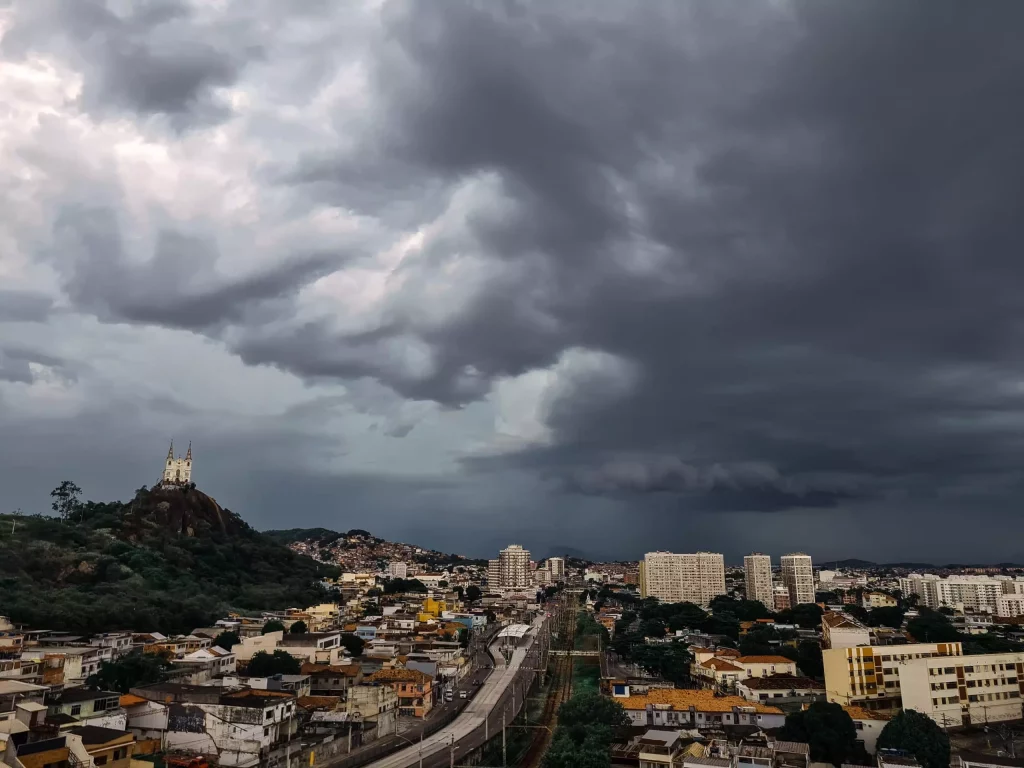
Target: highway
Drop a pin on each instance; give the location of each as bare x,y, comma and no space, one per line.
467,731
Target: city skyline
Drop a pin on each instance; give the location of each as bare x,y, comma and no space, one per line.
746,276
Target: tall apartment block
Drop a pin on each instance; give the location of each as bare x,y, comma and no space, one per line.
557,567
513,568
676,578
757,570
798,578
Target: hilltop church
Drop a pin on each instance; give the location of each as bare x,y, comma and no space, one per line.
177,471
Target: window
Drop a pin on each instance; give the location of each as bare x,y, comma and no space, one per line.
119,754
100,760
76,709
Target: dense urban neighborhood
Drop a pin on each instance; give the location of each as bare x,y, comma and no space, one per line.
413,656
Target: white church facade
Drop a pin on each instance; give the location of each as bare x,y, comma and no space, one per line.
177,471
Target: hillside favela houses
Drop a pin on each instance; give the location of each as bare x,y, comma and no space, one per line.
709,662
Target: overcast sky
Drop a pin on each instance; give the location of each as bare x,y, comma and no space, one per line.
614,275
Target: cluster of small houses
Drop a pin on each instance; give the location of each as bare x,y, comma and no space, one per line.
209,708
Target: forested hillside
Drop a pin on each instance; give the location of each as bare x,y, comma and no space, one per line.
169,560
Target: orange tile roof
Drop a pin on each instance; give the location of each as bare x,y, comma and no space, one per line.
727,653
130,700
721,665
859,713
349,670
399,676
764,660
701,700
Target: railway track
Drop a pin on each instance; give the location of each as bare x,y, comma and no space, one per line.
564,622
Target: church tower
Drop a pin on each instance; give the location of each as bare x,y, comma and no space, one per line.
177,471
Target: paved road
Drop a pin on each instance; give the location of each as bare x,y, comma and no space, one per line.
502,691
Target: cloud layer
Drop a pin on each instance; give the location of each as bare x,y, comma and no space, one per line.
615,276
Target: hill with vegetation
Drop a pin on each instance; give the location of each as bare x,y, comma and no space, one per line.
169,560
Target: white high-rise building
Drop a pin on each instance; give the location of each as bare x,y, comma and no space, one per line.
677,578
493,574
514,568
798,577
398,570
757,569
557,567
979,593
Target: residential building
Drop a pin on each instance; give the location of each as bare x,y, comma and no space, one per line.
241,727
108,747
398,570
15,692
513,568
780,596
1008,606
724,669
869,724
205,664
871,600
966,591
333,680
678,708
494,574
798,578
779,688
675,578
869,676
77,662
757,571
314,647
84,704
64,750
965,690
841,630
556,565
375,703
413,688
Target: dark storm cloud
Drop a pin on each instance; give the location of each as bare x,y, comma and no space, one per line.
178,287
154,59
801,227
16,365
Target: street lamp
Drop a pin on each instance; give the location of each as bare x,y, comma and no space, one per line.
410,742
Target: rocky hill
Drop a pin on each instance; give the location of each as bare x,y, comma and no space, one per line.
168,560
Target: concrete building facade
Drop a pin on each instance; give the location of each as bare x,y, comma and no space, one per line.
675,578
798,578
757,572
869,676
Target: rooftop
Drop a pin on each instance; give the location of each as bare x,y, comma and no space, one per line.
859,713
71,695
980,759
94,734
8,687
701,700
318,702
400,675
721,665
779,682
764,660
836,620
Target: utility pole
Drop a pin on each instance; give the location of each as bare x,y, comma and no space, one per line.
504,745
451,753
421,745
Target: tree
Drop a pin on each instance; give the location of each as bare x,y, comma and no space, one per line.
264,664
886,617
932,627
590,715
743,610
352,643
473,593
919,735
827,729
298,628
460,592
66,500
442,584
130,671
226,640
565,753
272,626
858,612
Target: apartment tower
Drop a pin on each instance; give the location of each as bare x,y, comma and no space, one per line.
557,567
676,578
514,568
757,570
798,578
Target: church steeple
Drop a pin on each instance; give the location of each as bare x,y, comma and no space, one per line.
188,456
170,452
